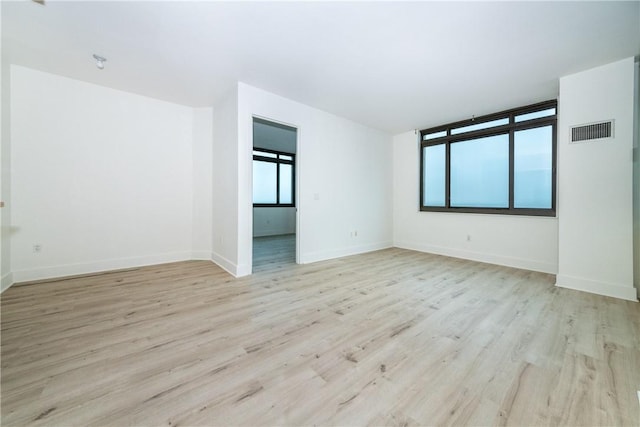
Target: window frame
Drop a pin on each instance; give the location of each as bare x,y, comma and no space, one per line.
510,128
278,161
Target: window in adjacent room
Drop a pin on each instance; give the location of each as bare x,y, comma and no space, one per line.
273,178
502,163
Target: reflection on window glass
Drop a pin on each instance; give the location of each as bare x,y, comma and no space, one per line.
286,180
264,182
433,182
536,115
480,172
533,154
479,126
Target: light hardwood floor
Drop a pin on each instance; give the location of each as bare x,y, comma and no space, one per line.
274,252
392,337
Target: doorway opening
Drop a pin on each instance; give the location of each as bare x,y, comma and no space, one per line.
274,195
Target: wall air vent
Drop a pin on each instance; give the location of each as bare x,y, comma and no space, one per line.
592,131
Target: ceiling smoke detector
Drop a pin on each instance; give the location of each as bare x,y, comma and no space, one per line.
99,61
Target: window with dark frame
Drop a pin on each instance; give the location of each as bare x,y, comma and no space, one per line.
273,178
503,163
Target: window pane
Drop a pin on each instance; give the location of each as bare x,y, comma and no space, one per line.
284,157
434,135
532,168
479,126
264,182
536,115
434,175
264,154
286,193
480,173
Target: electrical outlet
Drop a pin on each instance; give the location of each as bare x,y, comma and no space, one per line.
37,248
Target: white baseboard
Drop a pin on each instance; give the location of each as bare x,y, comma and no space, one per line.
244,270
53,272
525,264
607,289
225,264
337,253
7,281
98,266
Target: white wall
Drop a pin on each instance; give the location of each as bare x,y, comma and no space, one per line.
5,175
101,179
516,241
225,183
595,183
344,176
202,234
273,221
636,176
108,179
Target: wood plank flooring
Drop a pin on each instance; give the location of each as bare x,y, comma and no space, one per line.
274,252
392,337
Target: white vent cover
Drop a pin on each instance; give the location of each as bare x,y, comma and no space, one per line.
591,131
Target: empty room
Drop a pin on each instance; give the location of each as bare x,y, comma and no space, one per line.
319,213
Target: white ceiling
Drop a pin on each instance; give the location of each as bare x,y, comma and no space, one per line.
394,66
